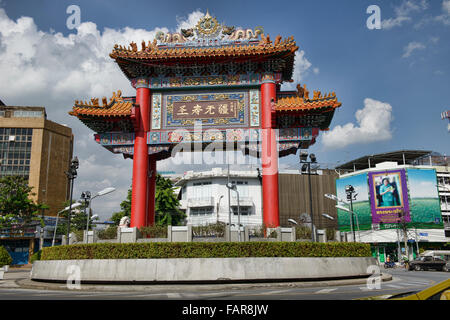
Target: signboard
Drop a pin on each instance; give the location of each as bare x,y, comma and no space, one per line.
424,198
205,109
389,196
361,205
212,109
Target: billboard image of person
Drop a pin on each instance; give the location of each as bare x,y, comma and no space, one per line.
387,190
389,196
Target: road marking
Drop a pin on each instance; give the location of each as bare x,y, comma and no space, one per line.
394,286
325,291
421,283
274,292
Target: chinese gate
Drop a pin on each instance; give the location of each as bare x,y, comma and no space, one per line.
209,84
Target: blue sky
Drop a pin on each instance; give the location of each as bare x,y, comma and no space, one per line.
393,83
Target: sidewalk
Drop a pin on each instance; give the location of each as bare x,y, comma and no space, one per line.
20,278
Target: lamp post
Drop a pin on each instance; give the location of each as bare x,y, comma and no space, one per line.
233,187
218,208
86,196
71,175
357,222
73,206
349,190
307,168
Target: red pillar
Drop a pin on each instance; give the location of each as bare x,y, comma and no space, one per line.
140,158
269,158
151,191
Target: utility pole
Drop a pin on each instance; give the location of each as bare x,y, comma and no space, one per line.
402,222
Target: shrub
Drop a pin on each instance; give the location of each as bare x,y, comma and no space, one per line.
154,231
158,250
210,230
5,258
108,233
35,256
331,234
302,232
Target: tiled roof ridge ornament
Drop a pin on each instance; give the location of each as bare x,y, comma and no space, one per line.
116,97
206,29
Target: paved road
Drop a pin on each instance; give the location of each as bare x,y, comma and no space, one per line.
402,281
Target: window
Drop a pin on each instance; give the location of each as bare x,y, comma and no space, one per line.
245,211
242,188
202,190
2,113
27,114
201,211
15,153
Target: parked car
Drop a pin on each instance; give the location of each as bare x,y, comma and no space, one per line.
440,291
427,263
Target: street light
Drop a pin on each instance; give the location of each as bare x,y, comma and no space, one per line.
357,221
327,216
71,175
73,206
86,196
306,167
350,191
218,208
233,187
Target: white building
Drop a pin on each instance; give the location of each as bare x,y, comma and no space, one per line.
388,241
204,197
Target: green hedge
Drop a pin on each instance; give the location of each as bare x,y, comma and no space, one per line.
155,250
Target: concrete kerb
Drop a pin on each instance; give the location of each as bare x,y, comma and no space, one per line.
164,288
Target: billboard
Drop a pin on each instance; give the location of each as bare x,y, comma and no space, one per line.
389,196
385,196
361,205
424,198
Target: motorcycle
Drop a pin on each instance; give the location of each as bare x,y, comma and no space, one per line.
390,264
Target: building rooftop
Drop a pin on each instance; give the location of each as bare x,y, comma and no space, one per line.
22,112
370,161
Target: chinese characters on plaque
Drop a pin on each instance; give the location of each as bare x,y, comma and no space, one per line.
205,109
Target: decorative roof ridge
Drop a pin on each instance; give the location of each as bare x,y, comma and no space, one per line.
152,48
302,94
94,103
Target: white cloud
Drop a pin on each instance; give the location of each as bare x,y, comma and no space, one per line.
190,22
445,16
52,70
373,125
403,13
302,67
411,47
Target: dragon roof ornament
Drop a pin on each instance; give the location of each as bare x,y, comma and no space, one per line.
209,32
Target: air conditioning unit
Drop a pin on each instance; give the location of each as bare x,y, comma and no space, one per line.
12,138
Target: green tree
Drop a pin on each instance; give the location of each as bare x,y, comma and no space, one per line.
166,205
16,207
125,207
